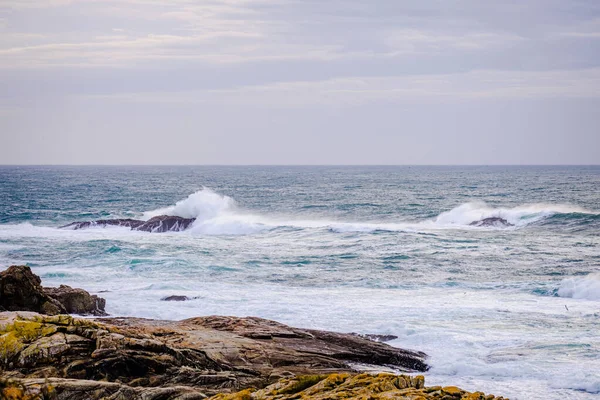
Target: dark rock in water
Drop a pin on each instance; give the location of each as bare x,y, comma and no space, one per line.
77,301
376,338
127,222
175,298
161,223
21,290
492,221
165,223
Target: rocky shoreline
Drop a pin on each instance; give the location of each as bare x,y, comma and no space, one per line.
45,354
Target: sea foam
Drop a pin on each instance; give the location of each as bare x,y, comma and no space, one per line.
518,216
587,287
215,214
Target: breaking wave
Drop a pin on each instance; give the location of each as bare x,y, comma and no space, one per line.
587,287
517,216
215,214
219,214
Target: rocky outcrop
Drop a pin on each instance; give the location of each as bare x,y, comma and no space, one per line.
77,301
166,223
103,223
21,290
381,386
161,223
175,298
208,355
347,386
492,221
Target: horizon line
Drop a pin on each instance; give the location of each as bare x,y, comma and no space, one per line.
299,165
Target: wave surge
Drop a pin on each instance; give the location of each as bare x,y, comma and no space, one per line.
522,215
215,214
587,287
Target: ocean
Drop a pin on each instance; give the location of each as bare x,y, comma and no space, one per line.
511,309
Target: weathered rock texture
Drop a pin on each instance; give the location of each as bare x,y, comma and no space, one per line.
21,290
161,223
205,356
77,301
348,386
306,387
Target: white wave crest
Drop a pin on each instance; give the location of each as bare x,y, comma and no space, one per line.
522,215
587,287
203,204
215,214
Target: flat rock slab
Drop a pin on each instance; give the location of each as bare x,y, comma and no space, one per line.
210,354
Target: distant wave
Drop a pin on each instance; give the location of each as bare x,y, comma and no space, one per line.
218,214
587,287
518,216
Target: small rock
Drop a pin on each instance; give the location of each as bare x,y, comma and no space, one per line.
175,298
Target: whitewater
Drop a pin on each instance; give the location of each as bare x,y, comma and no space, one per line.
511,310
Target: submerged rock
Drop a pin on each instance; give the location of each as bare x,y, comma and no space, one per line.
175,298
492,221
21,290
161,223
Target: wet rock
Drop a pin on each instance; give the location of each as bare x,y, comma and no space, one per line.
161,223
21,290
102,223
165,223
376,338
492,221
175,298
77,301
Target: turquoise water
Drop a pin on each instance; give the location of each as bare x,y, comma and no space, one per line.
510,310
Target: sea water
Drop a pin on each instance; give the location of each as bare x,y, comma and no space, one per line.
512,310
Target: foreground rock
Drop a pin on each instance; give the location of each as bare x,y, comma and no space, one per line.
204,356
492,221
161,223
317,387
77,301
347,386
21,290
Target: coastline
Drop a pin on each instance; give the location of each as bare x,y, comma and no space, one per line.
64,357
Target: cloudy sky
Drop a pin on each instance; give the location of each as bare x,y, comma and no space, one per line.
299,82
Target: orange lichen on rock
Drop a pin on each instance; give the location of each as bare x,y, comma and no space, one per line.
361,386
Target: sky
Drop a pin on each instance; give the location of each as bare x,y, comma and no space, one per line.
299,82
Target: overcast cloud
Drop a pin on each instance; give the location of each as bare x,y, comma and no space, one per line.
299,82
